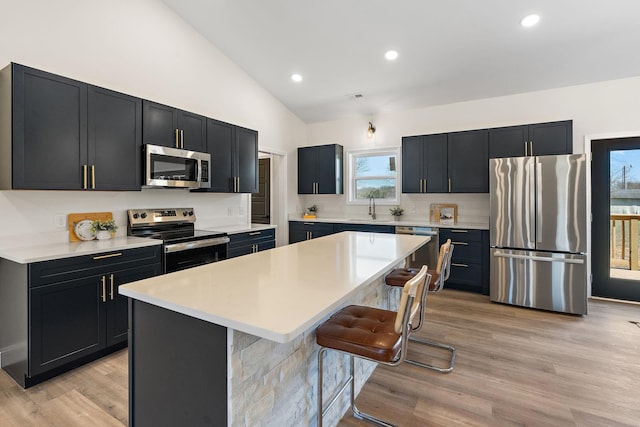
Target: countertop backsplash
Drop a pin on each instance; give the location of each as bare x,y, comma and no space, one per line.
472,208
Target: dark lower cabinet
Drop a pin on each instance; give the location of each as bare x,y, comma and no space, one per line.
367,228
300,231
470,260
73,310
251,242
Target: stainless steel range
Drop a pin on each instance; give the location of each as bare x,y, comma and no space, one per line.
183,246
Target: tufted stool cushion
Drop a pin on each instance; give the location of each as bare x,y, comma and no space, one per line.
399,277
364,331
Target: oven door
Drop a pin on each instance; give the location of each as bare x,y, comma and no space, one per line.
180,256
173,167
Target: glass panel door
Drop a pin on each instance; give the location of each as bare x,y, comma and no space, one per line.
616,217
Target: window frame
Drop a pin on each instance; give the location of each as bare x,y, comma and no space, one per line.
352,155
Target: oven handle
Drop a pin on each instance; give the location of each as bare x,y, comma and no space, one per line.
179,247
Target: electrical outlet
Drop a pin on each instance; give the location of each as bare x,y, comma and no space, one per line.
60,220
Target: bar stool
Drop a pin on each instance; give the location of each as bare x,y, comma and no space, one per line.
439,277
372,334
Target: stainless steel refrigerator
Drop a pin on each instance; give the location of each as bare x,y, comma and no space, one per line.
538,227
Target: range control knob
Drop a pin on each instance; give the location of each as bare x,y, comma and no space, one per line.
135,215
190,213
185,213
143,215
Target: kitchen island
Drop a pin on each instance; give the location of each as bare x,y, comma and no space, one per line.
233,342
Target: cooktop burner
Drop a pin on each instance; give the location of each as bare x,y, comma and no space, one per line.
172,225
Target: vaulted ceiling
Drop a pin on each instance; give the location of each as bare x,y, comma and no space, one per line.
449,51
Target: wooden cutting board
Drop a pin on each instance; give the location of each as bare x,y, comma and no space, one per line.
74,218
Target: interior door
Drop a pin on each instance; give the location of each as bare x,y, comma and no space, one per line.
615,184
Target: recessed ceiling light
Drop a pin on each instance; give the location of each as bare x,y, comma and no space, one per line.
530,20
296,78
391,55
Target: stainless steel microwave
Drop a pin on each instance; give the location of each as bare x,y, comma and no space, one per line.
174,167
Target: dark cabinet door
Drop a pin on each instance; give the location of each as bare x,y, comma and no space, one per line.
511,141
220,137
66,322
246,159
551,138
193,131
117,306
413,164
468,161
435,161
114,140
49,130
306,170
329,169
160,124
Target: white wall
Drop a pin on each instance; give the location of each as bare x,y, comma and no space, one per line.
607,107
141,48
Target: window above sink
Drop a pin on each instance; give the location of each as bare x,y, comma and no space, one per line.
373,174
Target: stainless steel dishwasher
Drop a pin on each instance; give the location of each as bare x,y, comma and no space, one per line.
427,254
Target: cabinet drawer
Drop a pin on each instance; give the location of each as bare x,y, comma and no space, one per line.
367,228
460,235
47,272
253,236
467,252
465,274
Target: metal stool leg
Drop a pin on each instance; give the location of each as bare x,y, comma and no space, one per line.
350,381
452,360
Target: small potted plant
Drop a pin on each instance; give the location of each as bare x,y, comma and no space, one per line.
397,212
104,229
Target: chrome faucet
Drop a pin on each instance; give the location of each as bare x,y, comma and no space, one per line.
372,208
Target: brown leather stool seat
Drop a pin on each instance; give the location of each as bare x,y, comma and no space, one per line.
439,276
372,334
365,331
399,277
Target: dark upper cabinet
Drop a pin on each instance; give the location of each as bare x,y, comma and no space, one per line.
424,160
114,140
468,161
49,141
445,163
539,139
246,160
320,169
234,158
171,127
68,135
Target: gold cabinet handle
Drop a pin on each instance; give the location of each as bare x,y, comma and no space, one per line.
84,179
421,185
525,148
255,233
103,280
453,264
449,185
177,142
111,282
93,177
238,184
461,243
531,148
108,255
181,138
458,230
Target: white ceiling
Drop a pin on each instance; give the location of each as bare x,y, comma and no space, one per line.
450,50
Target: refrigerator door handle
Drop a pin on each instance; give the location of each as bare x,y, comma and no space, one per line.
538,196
539,258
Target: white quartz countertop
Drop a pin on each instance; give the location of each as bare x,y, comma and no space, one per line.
280,293
402,222
239,228
55,250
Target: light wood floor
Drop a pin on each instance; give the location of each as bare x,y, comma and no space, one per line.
515,367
